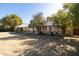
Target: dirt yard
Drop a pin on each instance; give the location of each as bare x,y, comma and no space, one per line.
13,44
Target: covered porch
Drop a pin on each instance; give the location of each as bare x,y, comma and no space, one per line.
21,28
49,29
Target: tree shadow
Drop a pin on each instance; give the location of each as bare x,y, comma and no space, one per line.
74,43
46,45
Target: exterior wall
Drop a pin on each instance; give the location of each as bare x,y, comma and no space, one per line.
48,29
20,29
44,29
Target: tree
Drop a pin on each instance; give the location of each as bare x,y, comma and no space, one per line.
10,21
31,24
38,21
73,9
61,19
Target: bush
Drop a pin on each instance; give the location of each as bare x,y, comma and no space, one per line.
51,33
41,33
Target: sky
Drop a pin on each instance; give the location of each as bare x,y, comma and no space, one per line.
27,10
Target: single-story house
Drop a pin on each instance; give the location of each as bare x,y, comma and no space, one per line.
21,28
50,27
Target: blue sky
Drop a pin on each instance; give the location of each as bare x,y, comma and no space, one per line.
27,10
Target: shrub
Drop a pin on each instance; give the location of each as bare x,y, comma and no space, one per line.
51,33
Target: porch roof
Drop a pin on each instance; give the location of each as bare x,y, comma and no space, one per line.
23,25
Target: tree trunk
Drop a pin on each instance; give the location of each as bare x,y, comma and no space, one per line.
33,30
12,28
63,30
72,32
38,29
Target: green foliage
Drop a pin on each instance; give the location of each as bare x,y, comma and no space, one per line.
31,24
73,8
10,21
37,21
61,19
68,18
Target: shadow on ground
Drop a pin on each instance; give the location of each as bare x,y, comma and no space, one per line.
45,45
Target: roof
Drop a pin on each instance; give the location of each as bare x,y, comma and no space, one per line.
49,23
23,25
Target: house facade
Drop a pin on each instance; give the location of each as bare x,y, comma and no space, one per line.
21,28
50,27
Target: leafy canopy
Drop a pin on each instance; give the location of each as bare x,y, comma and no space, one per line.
11,21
